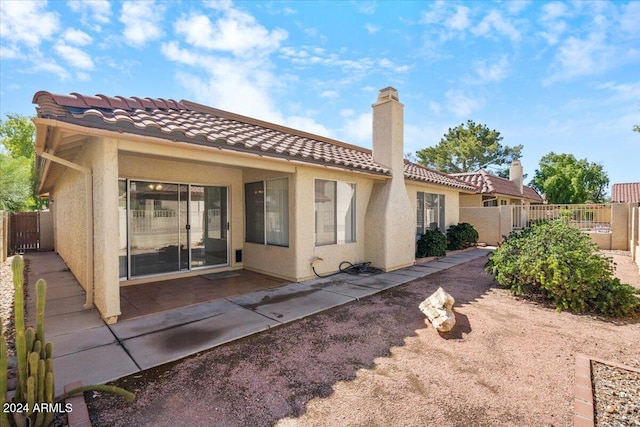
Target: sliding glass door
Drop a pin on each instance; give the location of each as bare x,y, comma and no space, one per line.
208,231
172,227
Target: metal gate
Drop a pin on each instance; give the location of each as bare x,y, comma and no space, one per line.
24,231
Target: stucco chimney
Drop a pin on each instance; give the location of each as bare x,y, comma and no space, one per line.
516,174
388,131
390,220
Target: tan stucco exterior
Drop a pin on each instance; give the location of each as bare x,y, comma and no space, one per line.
88,220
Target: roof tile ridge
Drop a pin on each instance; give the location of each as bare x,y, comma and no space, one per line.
280,128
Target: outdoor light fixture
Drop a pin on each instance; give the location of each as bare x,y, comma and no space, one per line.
156,187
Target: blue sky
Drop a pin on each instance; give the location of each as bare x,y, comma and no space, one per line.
553,76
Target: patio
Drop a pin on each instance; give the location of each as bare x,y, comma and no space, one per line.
140,300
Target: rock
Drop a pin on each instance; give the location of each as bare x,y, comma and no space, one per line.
439,310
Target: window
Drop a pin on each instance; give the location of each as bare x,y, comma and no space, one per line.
335,212
429,212
267,212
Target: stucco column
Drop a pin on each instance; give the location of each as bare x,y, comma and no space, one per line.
390,220
105,226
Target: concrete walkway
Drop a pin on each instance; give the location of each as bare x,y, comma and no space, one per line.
88,350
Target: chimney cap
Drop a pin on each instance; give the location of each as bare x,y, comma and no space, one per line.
388,93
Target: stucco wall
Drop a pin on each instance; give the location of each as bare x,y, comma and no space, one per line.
470,200
334,254
69,206
490,222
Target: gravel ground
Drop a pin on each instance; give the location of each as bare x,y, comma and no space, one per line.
6,304
616,394
508,362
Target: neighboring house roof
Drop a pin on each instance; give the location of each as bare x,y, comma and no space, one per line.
628,192
486,183
416,172
194,123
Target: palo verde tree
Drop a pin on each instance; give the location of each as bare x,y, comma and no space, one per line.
17,164
468,147
564,179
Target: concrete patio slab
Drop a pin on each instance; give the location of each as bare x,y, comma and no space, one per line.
169,319
441,265
352,290
82,340
58,306
97,365
296,305
417,273
172,344
65,323
396,277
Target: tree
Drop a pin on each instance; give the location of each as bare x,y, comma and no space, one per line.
636,128
15,183
18,177
564,179
467,148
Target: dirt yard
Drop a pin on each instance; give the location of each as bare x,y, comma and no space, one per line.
376,362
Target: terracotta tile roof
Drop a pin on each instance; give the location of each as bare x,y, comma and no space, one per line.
416,172
628,192
485,183
194,123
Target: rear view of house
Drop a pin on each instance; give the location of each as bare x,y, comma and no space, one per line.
150,189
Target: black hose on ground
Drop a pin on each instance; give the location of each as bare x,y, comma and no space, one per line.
353,269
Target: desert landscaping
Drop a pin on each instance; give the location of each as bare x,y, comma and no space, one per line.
508,361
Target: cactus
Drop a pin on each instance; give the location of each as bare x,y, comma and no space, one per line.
4,420
35,383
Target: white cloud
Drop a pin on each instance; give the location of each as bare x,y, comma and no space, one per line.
307,124
329,94
371,28
358,130
630,18
493,23
460,20
552,23
26,22
74,56
581,57
625,91
77,37
96,10
366,7
462,105
347,112
491,70
141,21
236,32
51,67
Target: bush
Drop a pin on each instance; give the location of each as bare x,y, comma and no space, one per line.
562,265
431,243
461,236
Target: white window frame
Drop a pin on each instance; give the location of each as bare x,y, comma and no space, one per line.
424,214
271,236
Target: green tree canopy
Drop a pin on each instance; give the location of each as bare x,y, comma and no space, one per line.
636,128
564,179
17,167
16,135
15,183
467,148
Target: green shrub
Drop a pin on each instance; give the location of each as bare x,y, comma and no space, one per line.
461,236
561,264
431,243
